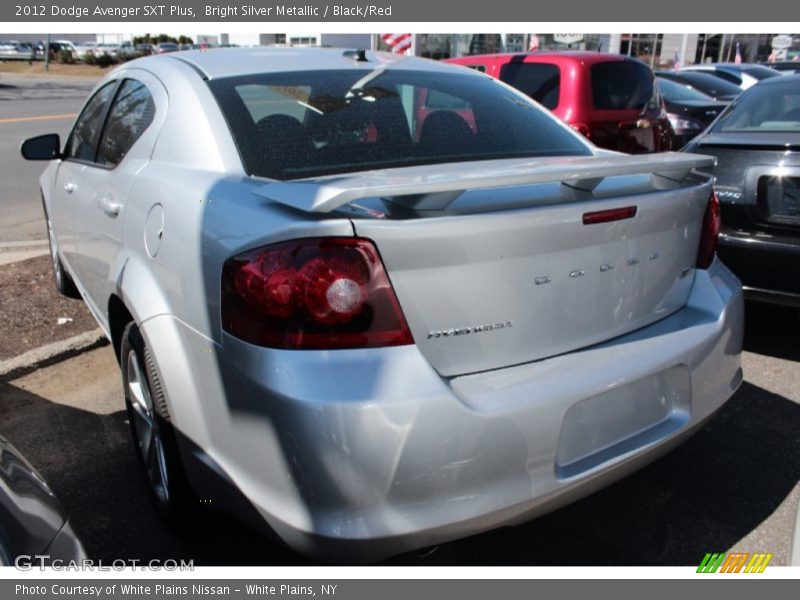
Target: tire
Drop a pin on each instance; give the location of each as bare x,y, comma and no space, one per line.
64,283
153,436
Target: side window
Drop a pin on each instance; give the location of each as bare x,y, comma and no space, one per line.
540,81
479,68
132,112
83,139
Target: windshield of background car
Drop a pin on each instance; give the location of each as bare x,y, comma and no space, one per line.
316,123
621,85
675,92
770,107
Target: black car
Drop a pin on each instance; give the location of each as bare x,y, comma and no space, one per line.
712,86
688,110
32,521
757,145
786,67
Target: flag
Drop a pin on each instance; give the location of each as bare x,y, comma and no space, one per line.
400,43
738,59
533,42
676,62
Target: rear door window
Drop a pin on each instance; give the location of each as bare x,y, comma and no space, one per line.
132,112
540,81
83,139
621,85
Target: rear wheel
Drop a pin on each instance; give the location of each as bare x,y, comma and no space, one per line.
64,283
152,432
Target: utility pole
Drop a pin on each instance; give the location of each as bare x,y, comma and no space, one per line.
684,43
47,53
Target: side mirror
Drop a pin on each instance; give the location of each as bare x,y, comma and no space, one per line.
42,147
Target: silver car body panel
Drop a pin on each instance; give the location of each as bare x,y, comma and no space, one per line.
386,449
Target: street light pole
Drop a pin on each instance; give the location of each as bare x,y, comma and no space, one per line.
47,53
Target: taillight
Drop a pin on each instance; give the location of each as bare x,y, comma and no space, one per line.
582,128
317,293
709,234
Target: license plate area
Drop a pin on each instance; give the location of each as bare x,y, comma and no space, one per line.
601,428
778,199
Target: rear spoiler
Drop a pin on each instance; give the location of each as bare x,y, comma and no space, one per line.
435,187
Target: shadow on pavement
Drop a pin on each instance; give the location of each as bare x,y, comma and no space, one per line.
772,330
704,496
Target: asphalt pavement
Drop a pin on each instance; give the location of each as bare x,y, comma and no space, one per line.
28,107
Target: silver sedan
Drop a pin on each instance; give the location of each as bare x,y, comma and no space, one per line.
372,303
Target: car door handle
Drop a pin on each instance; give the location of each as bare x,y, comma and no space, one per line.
110,208
70,187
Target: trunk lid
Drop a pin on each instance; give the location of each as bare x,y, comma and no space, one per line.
758,178
491,275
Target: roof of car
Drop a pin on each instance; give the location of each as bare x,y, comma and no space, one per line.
229,62
560,55
733,66
790,79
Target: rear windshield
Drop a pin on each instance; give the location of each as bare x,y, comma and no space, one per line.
764,107
675,92
711,85
621,85
540,81
316,123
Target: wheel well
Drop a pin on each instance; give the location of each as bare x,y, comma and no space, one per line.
118,318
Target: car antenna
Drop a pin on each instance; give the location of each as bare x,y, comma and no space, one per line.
360,54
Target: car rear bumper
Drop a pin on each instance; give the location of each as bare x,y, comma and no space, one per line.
768,266
360,454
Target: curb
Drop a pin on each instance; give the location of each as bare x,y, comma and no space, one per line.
50,354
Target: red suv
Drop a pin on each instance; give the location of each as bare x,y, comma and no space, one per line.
609,98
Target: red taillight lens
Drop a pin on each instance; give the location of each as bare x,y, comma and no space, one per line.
320,293
709,234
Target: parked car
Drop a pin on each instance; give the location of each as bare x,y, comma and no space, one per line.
757,147
371,339
714,87
14,50
165,47
85,49
33,522
144,49
785,67
688,110
608,98
744,75
125,49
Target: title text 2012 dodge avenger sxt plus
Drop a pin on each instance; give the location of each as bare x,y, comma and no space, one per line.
372,331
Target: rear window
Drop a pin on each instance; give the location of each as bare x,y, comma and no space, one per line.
316,123
675,92
764,107
621,85
711,85
540,81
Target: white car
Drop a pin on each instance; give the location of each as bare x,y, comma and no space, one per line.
744,75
